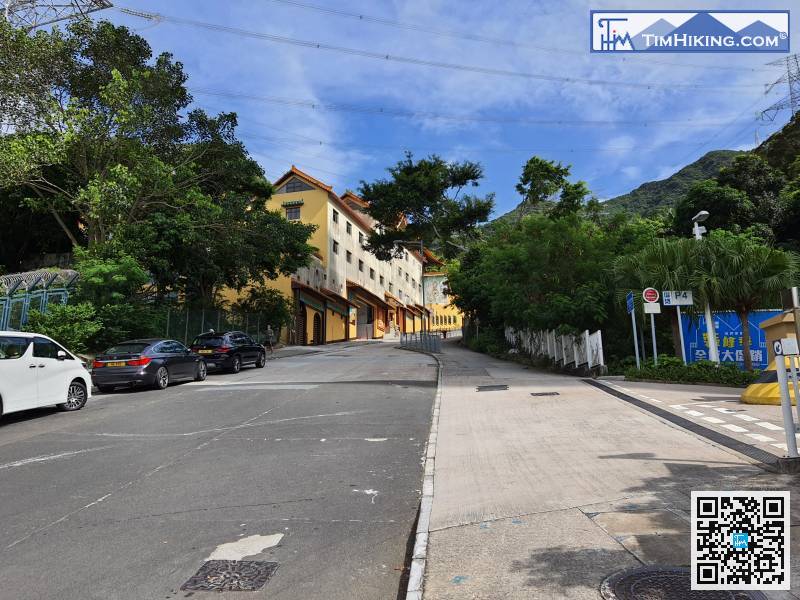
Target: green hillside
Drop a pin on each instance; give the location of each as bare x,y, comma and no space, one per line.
782,148
652,196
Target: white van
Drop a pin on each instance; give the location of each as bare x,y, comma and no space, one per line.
36,371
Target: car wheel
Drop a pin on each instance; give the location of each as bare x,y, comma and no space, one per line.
262,360
106,389
76,397
236,364
201,371
162,378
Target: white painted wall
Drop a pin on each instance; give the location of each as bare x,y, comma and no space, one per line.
393,272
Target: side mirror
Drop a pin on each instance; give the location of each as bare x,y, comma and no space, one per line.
61,355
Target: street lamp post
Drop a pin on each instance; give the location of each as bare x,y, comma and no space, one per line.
713,350
421,245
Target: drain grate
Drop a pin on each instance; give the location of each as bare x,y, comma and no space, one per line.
491,388
544,393
231,576
664,583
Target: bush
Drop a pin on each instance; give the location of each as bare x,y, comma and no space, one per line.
488,342
121,322
71,325
673,370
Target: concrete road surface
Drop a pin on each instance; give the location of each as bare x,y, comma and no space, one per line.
312,462
544,489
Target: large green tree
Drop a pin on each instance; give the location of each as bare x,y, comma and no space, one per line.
425,200
102,143
728,207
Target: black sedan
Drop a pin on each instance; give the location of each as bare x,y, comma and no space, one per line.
150,362
229,350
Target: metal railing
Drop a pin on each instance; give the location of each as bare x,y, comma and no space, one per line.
424,342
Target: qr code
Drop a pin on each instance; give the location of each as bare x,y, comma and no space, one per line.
740,540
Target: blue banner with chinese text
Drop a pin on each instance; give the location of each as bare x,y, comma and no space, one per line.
729,338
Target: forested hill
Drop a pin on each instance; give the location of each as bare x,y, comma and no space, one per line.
782,148
652,196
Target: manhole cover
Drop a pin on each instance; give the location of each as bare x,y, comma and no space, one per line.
544,393
491,388
663,583
231,576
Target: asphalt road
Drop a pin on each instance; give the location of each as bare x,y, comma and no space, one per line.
129,497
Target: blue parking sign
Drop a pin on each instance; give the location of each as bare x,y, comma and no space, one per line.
629,301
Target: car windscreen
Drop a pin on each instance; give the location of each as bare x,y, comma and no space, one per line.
12,346
212,341
127,348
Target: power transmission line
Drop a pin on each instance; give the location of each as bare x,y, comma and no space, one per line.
486,39
288,143
425,62
390,112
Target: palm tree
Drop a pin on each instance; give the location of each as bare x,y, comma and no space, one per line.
666,264
740,272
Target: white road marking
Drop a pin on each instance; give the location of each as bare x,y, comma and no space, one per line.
259,384
694,413
253,544
760,438
215,429
781,446
377,439
726,411
770,426
47,457
713,420
677,406
370,492
735,428
746,418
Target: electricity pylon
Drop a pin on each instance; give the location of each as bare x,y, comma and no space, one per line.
792,78
30,14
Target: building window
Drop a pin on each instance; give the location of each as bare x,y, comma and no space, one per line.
360,265
406,276
335,216
360,238
414,283
399,272
335,247
391,286
349,256
349,227
381,280
295,185
406,255
372,273
293,213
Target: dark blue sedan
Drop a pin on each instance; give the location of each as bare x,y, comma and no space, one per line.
149,362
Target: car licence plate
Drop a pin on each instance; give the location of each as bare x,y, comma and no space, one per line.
205,352
116,364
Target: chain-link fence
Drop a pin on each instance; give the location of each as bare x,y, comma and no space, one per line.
184,325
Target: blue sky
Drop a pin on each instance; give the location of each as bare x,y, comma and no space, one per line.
652,131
